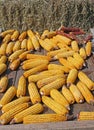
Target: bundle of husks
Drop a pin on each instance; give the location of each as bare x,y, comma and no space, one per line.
46,14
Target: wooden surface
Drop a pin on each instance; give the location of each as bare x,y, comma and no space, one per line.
69,125
75,109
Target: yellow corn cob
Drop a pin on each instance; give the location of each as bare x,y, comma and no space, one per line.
68,95
3,49
8,116
48,80
30,33
15,64
66,63
59,98
33,56
34,64
3,83
8,96
74,46
85,92
82,53
21,90
85,115
44,34
44,74
79,58
76,93
46,46
10,31
35,70
88,48
15,55
7,38
41,118
52,104
63,39
55,52
22,36
33,60
37,56
72,76
28,61
15,35
45,90
34,94
23,55
58,67
9,48
64,54
53,72
3,59
3,68
24,44
36,77
50,34
48,41
58,39
86,80
74,62
64,46
35,109
53,40
54,43
17,46
35,43
37,34
14,103
30,45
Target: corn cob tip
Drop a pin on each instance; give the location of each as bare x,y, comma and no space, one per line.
2,121
12,122
42,93
21,63
2,111
0,106
63,86
72,102
68,84
68,107
32,50
38,49
84,64
55,58
13,40
81,101
56,48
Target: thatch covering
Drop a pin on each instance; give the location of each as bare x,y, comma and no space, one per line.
46,14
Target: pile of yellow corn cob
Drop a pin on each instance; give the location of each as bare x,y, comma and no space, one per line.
55,85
